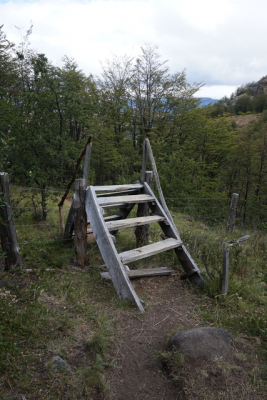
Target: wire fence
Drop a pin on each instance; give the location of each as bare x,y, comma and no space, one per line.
43,240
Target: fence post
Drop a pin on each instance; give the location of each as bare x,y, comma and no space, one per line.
8,232
225,271
142,232
232,214
80,223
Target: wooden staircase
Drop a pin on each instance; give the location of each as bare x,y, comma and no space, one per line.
124,197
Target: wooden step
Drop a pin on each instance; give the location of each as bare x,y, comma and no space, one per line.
118,187
121,192
138,198
147,251
127,223
142,273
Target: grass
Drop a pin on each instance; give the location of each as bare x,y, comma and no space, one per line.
56,309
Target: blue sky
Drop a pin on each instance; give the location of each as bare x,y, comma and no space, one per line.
220,43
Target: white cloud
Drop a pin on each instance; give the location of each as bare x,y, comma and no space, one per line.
220,43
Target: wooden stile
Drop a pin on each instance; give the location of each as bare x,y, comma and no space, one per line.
225,271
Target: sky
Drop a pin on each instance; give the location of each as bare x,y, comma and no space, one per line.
220,43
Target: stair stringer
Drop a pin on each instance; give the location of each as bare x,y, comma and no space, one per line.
187,262
109,253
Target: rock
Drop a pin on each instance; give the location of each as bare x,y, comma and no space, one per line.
59,364
202,343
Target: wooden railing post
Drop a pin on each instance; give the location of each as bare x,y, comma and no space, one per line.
8,232
142,232
225,271
80,224
232,213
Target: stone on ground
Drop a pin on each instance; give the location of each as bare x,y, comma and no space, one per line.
202,343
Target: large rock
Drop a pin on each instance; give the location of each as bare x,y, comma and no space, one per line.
202,343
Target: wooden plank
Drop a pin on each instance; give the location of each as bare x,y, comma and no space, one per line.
225,273
9,239
144,162
116,205
109,253
122,192
80,224
138,198
142,273
191,269
156,176
150,250
130,222
232,213
87,163
118,187
142,232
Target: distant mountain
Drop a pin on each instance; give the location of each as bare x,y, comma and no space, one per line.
206,100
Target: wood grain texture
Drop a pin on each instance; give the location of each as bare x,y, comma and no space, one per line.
225,272
138,198
109,253
188,264
69,227
120,193
142,273
87,163
9,239
130,222
118,187
142,232
148,251
80,224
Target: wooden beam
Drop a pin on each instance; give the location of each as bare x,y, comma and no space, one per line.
80,224
118,187
138,198
8,232
150,250
105,243
142,273
87,163
225,273
142,232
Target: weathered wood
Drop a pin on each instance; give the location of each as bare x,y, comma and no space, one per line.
80,224
138,198
232,213
225,271
150,250
142,232
87,163
144,163
117,272
188,264
60,204
8,233
118,187
115,205
156,176
120,193
142,273
240,240
129,223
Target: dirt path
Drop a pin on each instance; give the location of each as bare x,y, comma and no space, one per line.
138,375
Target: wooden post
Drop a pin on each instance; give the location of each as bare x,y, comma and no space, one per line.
80,224
225,271
156,176
144,162
69,224
8,232
87,163
142,232
232,214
